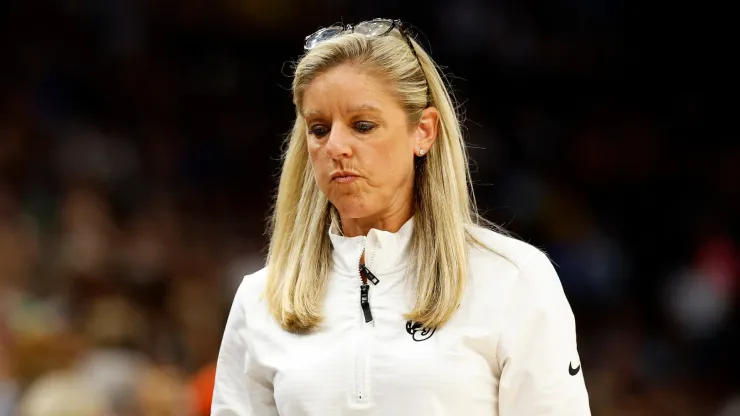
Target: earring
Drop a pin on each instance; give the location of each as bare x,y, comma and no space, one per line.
421,152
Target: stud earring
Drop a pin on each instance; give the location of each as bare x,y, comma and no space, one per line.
421,152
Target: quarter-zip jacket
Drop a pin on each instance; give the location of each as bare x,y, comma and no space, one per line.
509,350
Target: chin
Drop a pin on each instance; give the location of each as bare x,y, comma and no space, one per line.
350,207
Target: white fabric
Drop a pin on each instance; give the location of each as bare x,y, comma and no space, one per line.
507,351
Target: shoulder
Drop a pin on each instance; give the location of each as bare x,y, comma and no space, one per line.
250,293
517,268
491,246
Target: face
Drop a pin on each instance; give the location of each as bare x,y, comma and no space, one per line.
361,144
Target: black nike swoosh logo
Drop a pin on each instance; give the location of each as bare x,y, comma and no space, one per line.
573,371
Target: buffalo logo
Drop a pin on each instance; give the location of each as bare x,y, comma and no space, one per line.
418,332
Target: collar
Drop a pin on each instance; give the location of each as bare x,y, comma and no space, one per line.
384,251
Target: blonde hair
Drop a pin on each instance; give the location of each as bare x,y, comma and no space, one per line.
299,256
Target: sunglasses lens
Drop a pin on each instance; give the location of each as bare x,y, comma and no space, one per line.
374,27
322,35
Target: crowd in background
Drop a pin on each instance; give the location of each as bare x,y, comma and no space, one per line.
140,145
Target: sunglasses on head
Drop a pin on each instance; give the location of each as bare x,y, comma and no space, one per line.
369,28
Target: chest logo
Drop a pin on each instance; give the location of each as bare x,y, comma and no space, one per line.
418,332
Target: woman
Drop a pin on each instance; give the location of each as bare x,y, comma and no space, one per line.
383,295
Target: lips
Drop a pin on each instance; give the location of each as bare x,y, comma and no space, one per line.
344,177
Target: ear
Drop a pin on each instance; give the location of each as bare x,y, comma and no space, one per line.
426,131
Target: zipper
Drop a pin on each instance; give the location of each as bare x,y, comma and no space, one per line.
369,274
365,291
361,394
365,303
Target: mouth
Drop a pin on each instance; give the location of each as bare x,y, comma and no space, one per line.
344,177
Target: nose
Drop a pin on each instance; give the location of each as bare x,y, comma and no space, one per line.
337,145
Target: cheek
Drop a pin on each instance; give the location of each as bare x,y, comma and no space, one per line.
387,171
315,156
400,163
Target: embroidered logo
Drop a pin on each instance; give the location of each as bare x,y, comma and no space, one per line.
418,332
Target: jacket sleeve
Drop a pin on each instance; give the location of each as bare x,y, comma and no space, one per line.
242,387
540,368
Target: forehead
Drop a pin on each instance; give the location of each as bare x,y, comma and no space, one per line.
348,88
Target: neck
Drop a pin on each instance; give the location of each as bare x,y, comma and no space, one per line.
388,221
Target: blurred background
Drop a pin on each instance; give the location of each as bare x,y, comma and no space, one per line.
139,151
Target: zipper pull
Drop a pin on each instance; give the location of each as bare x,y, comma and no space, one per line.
369,274
365,303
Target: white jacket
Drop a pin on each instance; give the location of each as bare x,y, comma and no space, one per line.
509,350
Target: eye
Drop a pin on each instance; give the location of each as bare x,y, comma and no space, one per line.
364,126
318,130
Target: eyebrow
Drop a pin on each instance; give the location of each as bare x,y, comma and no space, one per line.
363,108
351,110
